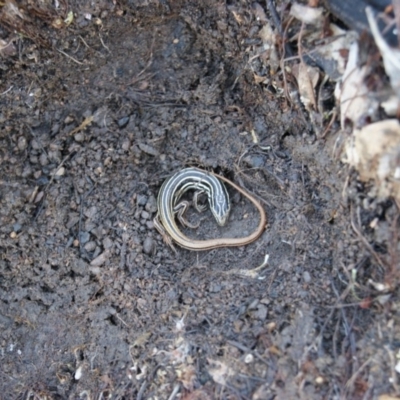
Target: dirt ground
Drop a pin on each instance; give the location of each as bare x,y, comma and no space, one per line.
93,304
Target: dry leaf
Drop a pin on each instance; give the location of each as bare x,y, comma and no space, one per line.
375,152
270,55
259,12
7,48
391,56
187,376
332,57
238,17
142,339
354,97
308,15
219,372
307,79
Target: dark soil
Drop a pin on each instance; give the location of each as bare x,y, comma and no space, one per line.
94,305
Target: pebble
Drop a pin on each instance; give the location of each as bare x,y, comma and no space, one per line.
136,239
90,246
43,159
91,212
122,122
148,246
261,313
79,266
68,120
255,161
141,199
55,156
101,259
145,215
215,288
26,171
17,227
84,237
150,224
306,277
151,205
253,305
107,243
43,180
126,144
55,129
99,116
150,150
35,144
79,137
22,143
249,358
60,171
95,270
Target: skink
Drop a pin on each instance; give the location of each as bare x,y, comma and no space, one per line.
203,182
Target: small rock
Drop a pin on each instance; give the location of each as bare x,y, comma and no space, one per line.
306,277
145,215
22,143
126,144
141,199
100,116
151,205
27,171
84,237
122,122
39,197
255,161
249,358
43,180
148,246
90,246
95,270
136,240
43,159
150,224
265,300
101,259
78,373
150,150
215,288
60,171
91,212
253,305
72,221
68,120
79,267
79,137
35,144
17,227
55,156
55,129
261,313
107,243
90,227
